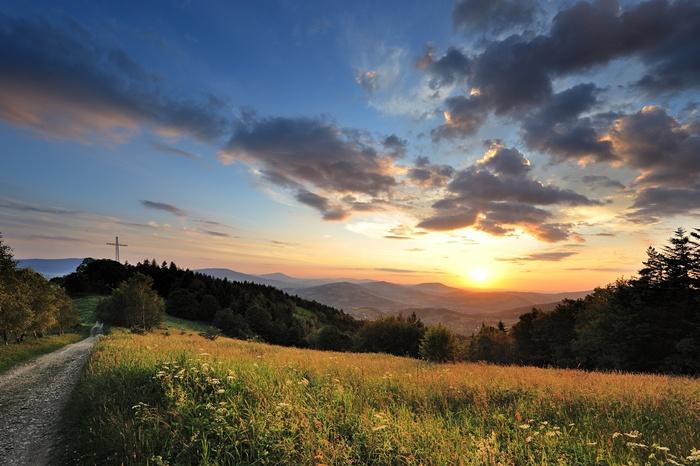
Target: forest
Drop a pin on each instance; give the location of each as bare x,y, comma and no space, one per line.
29,304
649,323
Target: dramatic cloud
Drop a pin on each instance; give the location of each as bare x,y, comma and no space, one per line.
163,207
496,194
557,129
59,81
664,150
514,75
463,117
493,16
451,68
654,203
430,175
505,161
322,204
395,146
674,64
296,152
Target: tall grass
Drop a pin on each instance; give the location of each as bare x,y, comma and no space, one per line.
182,399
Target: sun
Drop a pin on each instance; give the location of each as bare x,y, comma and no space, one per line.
479,275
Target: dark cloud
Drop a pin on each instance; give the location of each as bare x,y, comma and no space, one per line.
463,117
493,16
555,256
475,183
663,149
315,151
505,161
396,237
674,64
322,204
651,204
514,75
557,128
164,207
451,68
395,145
426,174
58,80
496,194
170,150
602,181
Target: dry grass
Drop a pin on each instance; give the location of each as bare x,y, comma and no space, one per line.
182,399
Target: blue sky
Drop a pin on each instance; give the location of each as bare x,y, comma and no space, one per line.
317,138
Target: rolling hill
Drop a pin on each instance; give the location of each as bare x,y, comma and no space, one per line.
391,297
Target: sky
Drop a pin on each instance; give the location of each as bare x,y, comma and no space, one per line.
496,144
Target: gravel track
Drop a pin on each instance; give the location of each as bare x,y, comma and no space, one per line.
32,397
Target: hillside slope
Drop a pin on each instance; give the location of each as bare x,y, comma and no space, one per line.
187,400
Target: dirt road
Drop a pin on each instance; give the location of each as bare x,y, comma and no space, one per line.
31,399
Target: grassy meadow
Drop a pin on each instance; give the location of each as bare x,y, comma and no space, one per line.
174,397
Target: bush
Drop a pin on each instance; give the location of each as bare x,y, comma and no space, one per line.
438,344
182,303
133,304
231,324
397,335
330,338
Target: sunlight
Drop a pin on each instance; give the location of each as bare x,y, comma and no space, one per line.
479,276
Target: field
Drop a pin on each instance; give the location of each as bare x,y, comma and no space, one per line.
178,398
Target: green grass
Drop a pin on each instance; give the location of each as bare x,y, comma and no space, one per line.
184,325
86,306
30,348
182,399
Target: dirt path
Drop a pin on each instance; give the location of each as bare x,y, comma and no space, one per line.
31,399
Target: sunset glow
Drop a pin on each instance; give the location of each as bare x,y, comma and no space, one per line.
399,157
479,276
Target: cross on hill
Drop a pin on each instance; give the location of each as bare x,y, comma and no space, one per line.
116,245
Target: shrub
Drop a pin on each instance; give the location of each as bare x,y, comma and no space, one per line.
133,304
438,344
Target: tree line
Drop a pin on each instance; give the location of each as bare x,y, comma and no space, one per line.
29,304
141,294
650,323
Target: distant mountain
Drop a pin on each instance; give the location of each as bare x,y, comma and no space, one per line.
277,279
462,310
50,268
234,276
347,296
394,297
